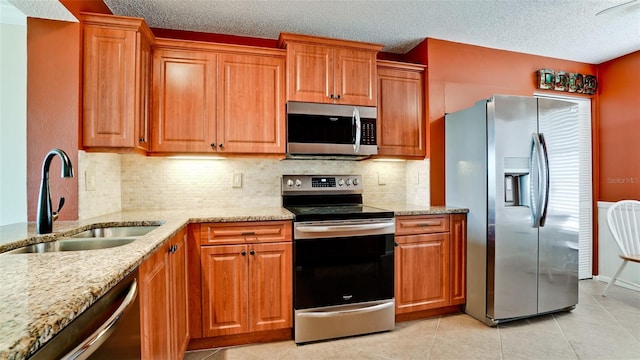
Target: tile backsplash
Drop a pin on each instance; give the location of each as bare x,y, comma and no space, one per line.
134,182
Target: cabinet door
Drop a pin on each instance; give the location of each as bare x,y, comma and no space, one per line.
310,73
355,77
270,286
401,115
155,329
183,109
143,96
458,258
109,87
422,272
251,105
224,290
179,309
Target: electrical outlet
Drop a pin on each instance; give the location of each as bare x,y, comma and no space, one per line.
382,179
89,181
237,180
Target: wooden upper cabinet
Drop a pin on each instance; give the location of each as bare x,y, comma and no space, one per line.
116,62
251,104
183,109
214,98
401,109
323,70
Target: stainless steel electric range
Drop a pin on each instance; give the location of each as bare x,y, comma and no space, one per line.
343,258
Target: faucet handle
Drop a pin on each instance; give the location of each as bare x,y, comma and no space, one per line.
60,205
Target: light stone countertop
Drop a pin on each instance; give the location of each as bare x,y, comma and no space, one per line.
405,209
42,293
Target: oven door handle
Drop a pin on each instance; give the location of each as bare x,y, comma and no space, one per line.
368,309
336,228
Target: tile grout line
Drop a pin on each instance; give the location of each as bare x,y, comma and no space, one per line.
435,336
564,336
500,342
614,318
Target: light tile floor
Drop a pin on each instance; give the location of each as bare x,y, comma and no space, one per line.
599,328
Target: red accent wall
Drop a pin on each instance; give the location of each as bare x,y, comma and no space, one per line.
619,128
53,109
460,74
78,6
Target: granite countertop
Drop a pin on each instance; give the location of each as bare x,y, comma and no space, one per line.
42,293
407,209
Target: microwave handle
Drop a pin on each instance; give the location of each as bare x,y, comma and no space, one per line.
355,119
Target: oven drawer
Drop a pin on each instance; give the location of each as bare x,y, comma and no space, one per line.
422,224
245,232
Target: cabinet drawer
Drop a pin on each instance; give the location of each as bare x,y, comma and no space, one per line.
245,232
422,224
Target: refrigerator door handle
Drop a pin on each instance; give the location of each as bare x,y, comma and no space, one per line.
545,163
536,194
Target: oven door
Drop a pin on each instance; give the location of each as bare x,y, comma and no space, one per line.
333,271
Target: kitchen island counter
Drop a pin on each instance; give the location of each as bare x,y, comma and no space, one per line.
42,293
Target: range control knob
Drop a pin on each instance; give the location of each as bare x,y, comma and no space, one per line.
348,182
355,182
298,183
289,183
340,182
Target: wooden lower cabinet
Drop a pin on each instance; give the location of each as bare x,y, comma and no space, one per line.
422,272
430,262
163,301
246,288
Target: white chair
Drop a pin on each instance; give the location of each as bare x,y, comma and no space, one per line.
623,219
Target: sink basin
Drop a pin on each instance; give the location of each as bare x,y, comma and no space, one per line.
116,232
72,244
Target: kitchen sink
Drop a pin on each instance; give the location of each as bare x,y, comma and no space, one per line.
93,239
73,244
116,232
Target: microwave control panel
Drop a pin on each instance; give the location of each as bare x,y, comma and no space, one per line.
368,132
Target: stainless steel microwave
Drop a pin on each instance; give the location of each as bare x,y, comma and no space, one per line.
325,130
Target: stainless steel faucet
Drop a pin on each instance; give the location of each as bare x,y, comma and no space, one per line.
46,215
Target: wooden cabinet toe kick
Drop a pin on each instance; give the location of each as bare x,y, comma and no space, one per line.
241,339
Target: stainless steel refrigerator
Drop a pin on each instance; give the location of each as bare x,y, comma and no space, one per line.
513,161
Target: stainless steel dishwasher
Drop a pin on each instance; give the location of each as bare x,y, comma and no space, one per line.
109,329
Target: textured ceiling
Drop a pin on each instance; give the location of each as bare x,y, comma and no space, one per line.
566,29
46,9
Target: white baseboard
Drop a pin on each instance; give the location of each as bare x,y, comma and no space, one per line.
621,283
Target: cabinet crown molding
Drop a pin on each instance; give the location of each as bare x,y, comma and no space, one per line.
318,40
113,21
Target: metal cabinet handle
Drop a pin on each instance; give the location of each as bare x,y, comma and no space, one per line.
248,233
338,97
213,145
243,253
252,252
142,140
331,96
91,344
221,145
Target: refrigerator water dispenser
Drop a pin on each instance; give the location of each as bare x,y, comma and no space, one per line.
516,181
